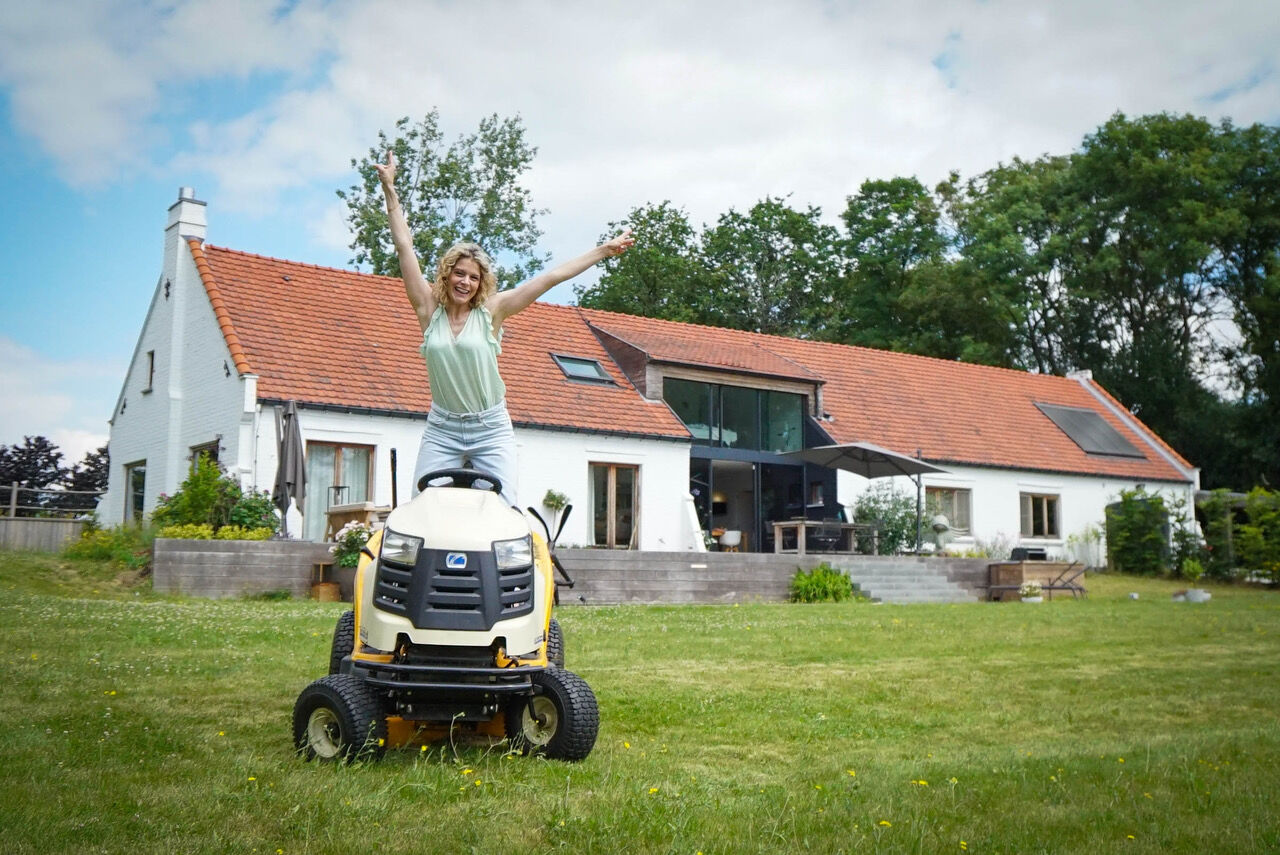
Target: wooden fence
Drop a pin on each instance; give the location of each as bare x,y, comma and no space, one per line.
43,520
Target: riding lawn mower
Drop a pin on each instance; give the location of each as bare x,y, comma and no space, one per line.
451,631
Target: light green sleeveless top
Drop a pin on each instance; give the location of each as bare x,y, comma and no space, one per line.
463,371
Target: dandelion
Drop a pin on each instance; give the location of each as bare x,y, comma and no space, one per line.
852,774
1121,759
886,823
222,733
964,846
921,783
1147,795
953,780
424,749
1130,836
653,790
477,782
1053,777
251,778
626,745
466,771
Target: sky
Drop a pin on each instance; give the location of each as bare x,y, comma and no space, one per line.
107,108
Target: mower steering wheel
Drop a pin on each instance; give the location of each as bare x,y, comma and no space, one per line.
460,478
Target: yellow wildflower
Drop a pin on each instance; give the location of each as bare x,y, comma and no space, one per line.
886,823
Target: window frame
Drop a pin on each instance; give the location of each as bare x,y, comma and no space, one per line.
931,501
602,377
134,500
1050,510
611,510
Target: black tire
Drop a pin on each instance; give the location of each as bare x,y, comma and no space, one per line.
555,644
567,717
344,641
339,718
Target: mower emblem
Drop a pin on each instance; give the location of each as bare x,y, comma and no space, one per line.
456,560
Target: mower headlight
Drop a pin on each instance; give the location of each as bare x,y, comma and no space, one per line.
513,553
400,548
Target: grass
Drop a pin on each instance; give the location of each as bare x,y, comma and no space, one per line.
136,724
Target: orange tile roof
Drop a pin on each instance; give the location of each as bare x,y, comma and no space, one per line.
953,412
334,337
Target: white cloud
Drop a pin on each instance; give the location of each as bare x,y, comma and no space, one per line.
712,105
68,402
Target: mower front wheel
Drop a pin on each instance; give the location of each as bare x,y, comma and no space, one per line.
344,641
339,718
555,644
560,719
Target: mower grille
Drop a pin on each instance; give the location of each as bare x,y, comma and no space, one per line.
441,592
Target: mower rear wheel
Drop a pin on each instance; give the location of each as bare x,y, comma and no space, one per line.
555,644
339,718
560,719
344,641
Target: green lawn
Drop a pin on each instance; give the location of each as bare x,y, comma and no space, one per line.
139,724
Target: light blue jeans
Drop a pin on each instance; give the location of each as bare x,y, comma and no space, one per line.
483,441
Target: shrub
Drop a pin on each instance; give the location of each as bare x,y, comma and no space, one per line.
1138,533
235,532
1192,569
892,512
255,510
1220,560
1258,539
210,497
127,546
822,584
187,531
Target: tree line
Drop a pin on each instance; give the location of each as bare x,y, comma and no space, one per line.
37,465
1149,256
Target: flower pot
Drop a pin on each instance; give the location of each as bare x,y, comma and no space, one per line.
1033,599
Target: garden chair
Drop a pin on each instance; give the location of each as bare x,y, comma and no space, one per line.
826,537
1067,580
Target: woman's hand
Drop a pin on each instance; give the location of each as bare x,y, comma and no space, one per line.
387,171
618,245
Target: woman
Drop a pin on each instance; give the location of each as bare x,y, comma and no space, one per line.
461,314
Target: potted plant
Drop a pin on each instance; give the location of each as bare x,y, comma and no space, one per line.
1031,592
348,542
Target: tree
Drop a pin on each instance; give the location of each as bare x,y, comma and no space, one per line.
772,269
34,465
469,191
87,476
662,276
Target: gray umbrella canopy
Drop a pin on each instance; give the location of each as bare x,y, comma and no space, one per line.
865,459
291,471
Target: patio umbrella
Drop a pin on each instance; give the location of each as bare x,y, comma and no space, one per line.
865,459
869,461
291,470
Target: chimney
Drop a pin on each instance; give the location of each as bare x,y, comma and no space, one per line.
186,220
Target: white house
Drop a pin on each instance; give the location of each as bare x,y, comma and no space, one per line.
654,429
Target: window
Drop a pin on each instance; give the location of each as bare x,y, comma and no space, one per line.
336,475
737,416
209,450
151,369
783,421
586,370
135,485
1039,515
615,493
951,503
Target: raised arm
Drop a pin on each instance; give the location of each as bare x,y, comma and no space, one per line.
415,284
504,304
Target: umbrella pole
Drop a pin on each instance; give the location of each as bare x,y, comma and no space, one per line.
918,486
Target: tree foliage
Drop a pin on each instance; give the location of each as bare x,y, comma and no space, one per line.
469,189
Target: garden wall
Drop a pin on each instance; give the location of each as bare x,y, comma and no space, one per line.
211,568
38,534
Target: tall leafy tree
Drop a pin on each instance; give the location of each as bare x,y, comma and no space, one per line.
662,276
772,268
1250,282
468,190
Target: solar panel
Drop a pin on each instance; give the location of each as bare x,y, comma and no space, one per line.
1090,431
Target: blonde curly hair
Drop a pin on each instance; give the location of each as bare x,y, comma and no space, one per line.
457,252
